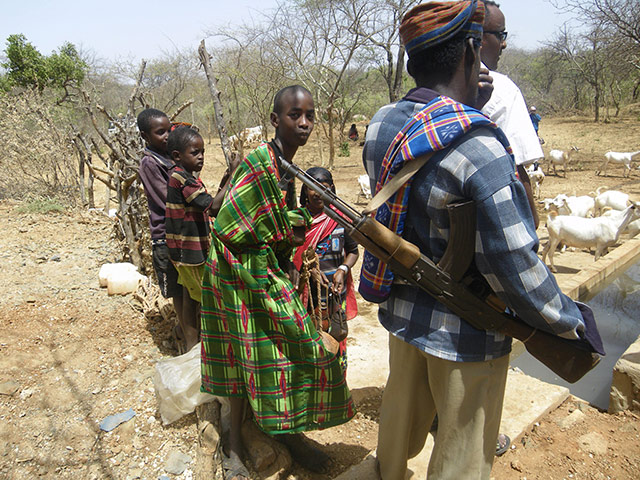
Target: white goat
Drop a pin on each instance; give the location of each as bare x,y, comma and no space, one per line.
632,229
536,175
581,206
365,186
599,232
254,134
622,158
611,198
247,135
558,157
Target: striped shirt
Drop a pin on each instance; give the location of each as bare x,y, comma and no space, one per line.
187,221
476,168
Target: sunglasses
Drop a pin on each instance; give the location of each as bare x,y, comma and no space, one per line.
500,35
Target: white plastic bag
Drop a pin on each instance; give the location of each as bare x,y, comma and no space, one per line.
177,384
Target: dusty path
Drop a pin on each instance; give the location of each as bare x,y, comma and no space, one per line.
75,355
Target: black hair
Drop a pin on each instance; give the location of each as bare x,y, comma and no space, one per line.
320,174
291,89
487,12
180,138
145,116
441,59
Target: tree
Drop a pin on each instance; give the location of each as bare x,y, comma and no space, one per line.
621,17
28,68
322,56
381,30
587,56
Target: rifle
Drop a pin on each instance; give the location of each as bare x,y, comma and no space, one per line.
451,282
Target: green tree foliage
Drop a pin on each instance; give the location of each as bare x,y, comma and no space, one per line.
28,68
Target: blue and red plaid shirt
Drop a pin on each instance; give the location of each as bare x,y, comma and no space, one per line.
477,167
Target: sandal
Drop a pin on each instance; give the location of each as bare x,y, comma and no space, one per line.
233,468
502,444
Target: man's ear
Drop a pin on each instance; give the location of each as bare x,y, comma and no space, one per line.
144,136
473,50
274,119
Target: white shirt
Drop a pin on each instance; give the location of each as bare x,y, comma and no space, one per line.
507,109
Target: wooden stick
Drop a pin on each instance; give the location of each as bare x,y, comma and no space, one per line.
205,59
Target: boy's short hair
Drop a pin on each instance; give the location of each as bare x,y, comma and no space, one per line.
180,138
291,89
145,116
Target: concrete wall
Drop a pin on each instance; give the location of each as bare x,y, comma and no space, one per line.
625,385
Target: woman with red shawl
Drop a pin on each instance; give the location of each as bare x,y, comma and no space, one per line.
337,254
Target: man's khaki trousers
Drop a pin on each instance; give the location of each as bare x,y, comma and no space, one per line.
467,397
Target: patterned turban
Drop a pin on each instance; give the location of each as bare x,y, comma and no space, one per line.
432,23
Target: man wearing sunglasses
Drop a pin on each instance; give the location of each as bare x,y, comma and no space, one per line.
507,107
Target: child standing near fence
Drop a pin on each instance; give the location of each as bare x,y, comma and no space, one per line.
187,224
154,126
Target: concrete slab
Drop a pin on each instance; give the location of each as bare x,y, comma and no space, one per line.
527,399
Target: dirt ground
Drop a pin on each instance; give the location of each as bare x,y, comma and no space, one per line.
70,355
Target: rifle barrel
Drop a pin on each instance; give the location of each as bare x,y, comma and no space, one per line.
328,197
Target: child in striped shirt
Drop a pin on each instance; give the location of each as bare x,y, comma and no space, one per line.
187,223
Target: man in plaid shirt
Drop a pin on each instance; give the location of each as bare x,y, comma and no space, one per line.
438,362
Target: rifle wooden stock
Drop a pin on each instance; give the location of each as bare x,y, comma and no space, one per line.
460,288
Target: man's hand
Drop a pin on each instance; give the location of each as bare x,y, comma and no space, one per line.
338,282
485,88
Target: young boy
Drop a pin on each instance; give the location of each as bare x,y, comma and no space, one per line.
187,224
258,344
154,127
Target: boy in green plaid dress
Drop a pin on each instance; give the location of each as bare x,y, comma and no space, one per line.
258,344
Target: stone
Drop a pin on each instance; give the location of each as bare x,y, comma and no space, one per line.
9,387
26,393
134,473
570,420
593,443
267,456
209,438
625,384
177,462
260,452
112,421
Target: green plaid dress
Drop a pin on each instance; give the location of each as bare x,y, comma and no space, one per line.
257,340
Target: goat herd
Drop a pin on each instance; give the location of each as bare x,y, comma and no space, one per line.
587,221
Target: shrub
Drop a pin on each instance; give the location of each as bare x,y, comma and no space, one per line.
41,205
344,149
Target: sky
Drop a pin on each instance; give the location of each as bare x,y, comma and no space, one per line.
132,30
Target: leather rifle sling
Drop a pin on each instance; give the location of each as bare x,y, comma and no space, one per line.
405,173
